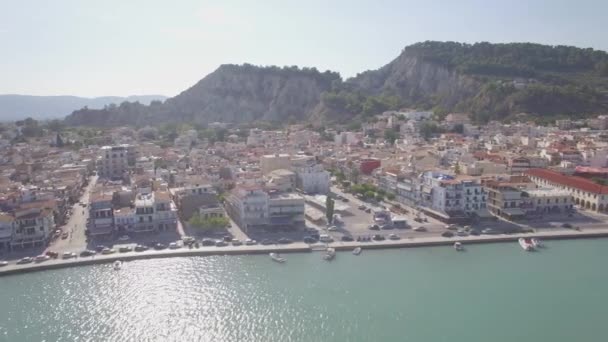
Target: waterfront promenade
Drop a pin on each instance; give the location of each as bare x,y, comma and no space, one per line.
299,247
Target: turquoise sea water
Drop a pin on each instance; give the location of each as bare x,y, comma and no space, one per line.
488,293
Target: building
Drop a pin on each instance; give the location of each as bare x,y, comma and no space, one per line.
7,224
366,166
273,162
101,215
285,209
114,161
585,192
505,199
154,212
311,177
548,201
456,197
33,227
281,180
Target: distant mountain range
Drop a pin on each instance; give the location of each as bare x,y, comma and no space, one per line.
17,107
488,81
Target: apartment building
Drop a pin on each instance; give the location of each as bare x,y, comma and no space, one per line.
33,227
114,161
311,177
101,214
273,162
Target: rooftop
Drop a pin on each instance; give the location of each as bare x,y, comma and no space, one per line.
569,181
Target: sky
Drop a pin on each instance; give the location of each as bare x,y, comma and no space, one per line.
134,47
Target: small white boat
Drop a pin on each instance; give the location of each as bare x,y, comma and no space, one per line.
537,243
357,251
458,246
276,257
117,265
526,244
330,254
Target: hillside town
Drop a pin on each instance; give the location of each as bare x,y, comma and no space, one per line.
400,175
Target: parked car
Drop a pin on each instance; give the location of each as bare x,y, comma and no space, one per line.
99,248
420,229
362,207
368,210
87,252
174,245
447,234
208,242
124,238
188,240
250,242
52,254
393,237
41,258
474,232
26,260
325,238
451,227
566,225
345,200
310,239
346,238
491,231
461,232
68,255
221,243
65,235
227,238
284,241
268,242
374,227
378,237
107,251
141,248
160,246
236,242
332,228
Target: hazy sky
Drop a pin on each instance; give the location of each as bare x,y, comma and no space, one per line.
125,47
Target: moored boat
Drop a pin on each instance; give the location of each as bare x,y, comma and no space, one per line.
526,244
537,243
458,246
357,251
117,265
276,257
330,254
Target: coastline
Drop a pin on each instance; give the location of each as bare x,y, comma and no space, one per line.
298,247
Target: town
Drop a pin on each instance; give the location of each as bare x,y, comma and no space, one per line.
73,192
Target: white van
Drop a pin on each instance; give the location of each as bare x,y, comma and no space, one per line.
325,238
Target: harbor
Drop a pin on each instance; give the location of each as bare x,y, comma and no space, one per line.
297,247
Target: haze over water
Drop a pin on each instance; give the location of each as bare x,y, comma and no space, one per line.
491,292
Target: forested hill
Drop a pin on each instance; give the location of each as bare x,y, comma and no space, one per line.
490,81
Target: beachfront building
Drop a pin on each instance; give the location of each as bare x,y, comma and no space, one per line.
586,193
33,226
452,198
543,201
285,209
7,223
507,198
154,212
101,214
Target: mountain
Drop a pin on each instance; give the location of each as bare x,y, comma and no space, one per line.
489,81
16,107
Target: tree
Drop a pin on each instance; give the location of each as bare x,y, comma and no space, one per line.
457,168
390,136
207,224
379,197
390,197
329,209
369,194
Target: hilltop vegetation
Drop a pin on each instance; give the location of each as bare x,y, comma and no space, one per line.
489,81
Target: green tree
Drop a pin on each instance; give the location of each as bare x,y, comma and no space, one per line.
329,209
207,224
457,168
390,136
390,196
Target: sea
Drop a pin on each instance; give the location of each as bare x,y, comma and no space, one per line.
492,292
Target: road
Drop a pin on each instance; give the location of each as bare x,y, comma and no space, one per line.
76,225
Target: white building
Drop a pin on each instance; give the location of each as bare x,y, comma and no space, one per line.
312,178
346,138
33,227
155,212
7,223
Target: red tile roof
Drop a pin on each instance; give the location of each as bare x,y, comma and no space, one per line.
570,181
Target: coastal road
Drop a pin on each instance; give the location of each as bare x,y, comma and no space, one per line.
76,225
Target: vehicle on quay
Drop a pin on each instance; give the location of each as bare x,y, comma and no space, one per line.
420,229
526,244
462,232
378,237
41,258
374,227
124,238
117,265
325,238
357,251
451,227
99,248
52,254
227,238
160,246
125,249
267,242
447,234
458,246
362,207
332,229
87,252
65,235
393,237
277,258
208,242
174,245
107,251
68,255
310,240
537,243
491,231
347,238
330,254
236,242
250,242
284,241
26,260
141,248
221,243
188,240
